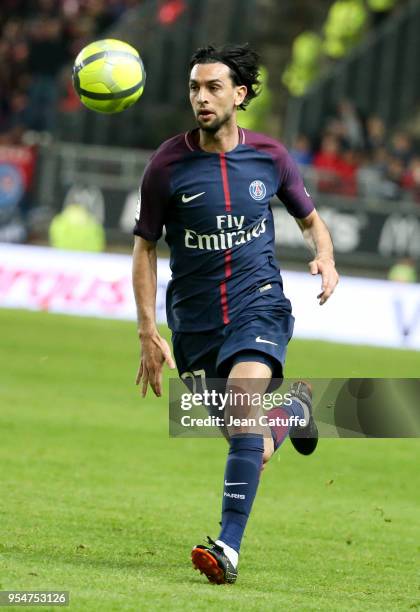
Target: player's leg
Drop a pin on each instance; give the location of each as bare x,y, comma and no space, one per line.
242,473
196,355
279,418
257,358
249,446
264,336
249,380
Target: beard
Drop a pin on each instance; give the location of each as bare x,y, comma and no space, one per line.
215,125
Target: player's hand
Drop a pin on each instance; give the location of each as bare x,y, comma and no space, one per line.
326,267
155,352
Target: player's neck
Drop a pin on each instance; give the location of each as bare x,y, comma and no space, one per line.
224,140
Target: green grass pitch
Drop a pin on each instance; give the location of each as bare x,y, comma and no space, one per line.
97,500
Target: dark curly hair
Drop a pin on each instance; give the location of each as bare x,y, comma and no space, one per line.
242,61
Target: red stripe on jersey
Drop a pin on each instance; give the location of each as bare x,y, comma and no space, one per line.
223,301
228,259
228,252
226,191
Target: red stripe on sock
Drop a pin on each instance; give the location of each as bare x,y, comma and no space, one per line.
280,431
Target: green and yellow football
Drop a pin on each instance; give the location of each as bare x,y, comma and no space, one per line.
109,76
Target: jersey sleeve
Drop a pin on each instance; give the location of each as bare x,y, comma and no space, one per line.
292,192
153,199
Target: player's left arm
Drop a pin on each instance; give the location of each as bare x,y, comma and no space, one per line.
296,198
318,239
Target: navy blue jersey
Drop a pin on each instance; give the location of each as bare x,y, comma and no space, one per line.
215,208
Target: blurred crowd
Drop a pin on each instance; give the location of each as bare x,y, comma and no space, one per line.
353,156
37,38
359,157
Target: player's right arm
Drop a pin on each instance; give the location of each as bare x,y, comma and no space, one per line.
155,350
153,200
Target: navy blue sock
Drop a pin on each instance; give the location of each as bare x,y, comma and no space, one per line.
242,476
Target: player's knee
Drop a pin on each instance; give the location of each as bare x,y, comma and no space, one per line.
268,450
267,456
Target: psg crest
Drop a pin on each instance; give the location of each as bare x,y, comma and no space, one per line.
257,190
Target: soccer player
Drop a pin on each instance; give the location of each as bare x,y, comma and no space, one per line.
211,188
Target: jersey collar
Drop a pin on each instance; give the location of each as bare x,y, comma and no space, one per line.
192,142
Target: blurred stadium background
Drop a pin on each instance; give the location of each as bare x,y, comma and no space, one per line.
342,91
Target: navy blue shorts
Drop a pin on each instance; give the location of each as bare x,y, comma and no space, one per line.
254,333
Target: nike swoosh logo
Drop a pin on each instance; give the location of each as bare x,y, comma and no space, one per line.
259,339
186,198
233,484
